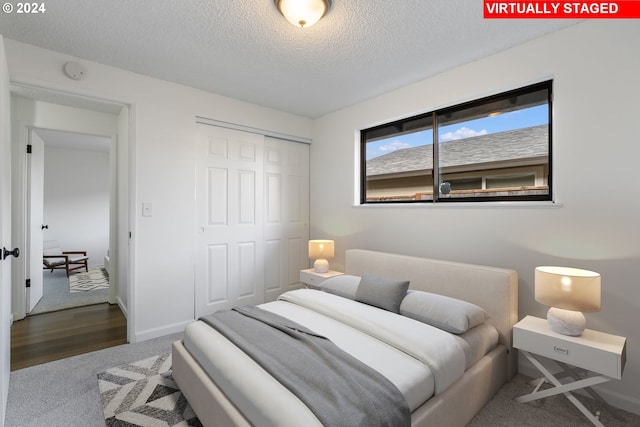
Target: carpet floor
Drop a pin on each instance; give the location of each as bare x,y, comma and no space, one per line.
143,393
58,295
66,393
503,410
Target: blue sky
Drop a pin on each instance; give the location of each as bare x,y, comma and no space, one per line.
502,122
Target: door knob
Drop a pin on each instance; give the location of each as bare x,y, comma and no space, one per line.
45,226
5,253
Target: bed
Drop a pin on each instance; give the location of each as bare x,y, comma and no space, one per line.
456,396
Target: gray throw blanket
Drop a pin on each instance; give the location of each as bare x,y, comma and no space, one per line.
339,389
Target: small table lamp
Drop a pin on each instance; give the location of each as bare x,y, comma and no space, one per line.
321,250
568,292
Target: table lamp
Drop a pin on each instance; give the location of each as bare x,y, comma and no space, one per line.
320,251
568,292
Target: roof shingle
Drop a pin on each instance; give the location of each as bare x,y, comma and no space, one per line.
522,143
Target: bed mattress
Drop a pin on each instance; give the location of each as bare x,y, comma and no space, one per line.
369,334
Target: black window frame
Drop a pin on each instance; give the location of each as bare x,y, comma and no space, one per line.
404,125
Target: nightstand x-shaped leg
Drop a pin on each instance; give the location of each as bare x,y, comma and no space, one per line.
562,388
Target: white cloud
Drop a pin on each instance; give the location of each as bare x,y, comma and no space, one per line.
394,145
462,133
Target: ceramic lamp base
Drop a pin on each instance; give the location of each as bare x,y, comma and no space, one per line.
566,322
321,266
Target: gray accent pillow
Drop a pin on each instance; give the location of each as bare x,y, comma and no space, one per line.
344,285
382,292
449,314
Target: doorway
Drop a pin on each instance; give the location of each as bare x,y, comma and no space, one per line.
50,114
70,211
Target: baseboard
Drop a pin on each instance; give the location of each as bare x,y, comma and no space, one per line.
615,399
160,332
123,307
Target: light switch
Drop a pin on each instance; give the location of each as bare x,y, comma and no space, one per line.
146,209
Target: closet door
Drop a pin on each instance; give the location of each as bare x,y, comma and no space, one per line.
229,197
286,225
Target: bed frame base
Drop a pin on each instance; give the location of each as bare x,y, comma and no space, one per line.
456,406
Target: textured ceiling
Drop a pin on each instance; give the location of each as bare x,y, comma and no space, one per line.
246,50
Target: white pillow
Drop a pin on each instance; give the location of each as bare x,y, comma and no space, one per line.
449,314
344,285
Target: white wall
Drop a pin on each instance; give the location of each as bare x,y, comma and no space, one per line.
76,201
162,135
596,69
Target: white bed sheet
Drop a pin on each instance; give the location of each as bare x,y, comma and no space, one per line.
432,346
409,375
477,342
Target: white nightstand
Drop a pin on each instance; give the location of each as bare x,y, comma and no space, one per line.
601,354
311,278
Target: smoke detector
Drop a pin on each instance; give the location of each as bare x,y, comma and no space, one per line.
74,71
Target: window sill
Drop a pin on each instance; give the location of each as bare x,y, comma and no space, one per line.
466,205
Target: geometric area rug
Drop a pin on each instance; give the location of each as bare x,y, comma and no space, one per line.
143,393
96,278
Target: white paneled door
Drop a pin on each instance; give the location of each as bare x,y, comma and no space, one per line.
229,258
244,249
5,232
286,220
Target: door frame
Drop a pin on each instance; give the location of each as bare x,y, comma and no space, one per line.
33,234
118,173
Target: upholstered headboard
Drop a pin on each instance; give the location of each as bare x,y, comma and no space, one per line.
494,289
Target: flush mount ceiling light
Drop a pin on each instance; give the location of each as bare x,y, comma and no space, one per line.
303,13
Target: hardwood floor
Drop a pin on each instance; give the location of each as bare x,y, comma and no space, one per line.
51,336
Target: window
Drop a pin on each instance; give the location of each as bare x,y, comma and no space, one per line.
492,149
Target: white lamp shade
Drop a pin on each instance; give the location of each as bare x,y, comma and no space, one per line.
303,13
321,249
568,288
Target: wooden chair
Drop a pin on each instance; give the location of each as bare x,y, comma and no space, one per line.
56,259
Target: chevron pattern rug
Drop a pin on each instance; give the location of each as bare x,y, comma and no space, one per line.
96,278
143,393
